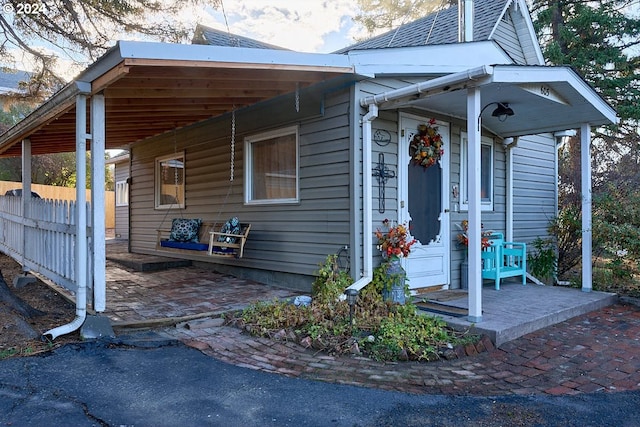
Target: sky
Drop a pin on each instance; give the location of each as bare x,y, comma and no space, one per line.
320,26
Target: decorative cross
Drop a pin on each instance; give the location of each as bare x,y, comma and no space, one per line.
383,173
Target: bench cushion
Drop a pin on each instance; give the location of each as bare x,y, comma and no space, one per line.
185,230
194,246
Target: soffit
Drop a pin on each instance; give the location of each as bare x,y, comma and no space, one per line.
145,97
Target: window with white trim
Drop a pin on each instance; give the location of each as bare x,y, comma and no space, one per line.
122,193
169,182
486,173
271,167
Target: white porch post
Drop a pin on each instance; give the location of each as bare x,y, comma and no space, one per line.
473,174
585,159
98,201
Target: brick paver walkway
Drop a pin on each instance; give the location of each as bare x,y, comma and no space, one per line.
599,351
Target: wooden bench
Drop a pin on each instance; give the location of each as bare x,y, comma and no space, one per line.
208,235
504,259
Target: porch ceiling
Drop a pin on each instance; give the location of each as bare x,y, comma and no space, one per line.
148,96
544,99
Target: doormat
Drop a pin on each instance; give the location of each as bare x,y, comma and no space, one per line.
447,310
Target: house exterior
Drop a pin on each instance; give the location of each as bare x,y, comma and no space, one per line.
120,164
314,150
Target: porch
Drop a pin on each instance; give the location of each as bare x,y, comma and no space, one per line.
151,297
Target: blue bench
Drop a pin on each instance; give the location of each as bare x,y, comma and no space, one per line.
504,259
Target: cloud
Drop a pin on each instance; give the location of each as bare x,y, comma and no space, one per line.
306,26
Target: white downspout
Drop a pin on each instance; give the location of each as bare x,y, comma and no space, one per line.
81,217
367,202
26,194
508,144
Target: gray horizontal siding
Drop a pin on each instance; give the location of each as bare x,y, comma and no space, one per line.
507,37
288,238
534,186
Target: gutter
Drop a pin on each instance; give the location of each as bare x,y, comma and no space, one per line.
367,201
81,250
440,84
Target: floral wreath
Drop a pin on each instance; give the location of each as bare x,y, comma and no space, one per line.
426,146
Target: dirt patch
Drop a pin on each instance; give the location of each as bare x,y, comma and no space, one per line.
57,311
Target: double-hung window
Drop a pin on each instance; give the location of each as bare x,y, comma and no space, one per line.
271,167
486,173
169,182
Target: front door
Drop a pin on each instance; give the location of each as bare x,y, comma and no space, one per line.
423,204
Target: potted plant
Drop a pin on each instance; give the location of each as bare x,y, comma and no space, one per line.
463,240
394,242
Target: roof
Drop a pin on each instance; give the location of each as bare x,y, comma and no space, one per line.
213,37
150,88
10,80
437,28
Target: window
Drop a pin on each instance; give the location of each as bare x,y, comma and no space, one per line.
122,193
486,174
169,183
271,172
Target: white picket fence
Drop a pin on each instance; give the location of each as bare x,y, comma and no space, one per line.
43,240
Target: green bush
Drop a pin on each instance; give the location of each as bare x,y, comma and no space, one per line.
380,330
543,263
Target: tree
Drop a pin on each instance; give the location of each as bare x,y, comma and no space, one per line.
388,14
600,40
82,30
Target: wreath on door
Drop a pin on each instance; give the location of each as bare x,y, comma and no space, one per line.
426,146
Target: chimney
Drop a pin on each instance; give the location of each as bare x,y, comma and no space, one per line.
465,21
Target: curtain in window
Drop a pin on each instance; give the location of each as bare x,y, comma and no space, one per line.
274,168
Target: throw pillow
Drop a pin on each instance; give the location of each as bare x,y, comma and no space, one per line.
232,227
185,230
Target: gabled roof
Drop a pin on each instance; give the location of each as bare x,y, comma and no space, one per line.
213,37
438,28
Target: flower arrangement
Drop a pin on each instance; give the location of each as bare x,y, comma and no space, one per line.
394,243
463,238
426,146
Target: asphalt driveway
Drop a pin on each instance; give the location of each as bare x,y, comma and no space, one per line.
147,380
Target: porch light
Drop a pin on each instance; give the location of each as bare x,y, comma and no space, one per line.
352,296
502,111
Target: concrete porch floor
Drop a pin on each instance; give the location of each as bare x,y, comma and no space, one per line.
516,310
150,296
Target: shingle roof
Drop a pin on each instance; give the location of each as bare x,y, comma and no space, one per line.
438,28
211,36
9,80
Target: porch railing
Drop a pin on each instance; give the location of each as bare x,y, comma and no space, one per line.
42,239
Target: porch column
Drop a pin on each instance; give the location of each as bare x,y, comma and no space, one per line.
98,201
585,159
473,172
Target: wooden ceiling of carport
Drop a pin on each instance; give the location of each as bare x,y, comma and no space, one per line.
144,98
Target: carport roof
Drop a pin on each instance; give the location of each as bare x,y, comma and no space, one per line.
151,88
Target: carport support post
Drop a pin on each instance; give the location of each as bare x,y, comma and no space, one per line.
585,159
98,201
473,172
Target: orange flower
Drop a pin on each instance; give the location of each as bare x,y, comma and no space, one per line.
395,241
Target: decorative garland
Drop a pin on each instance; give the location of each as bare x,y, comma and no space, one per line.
426,147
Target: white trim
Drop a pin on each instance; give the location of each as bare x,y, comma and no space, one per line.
157,181
486,205
248,165
585,160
